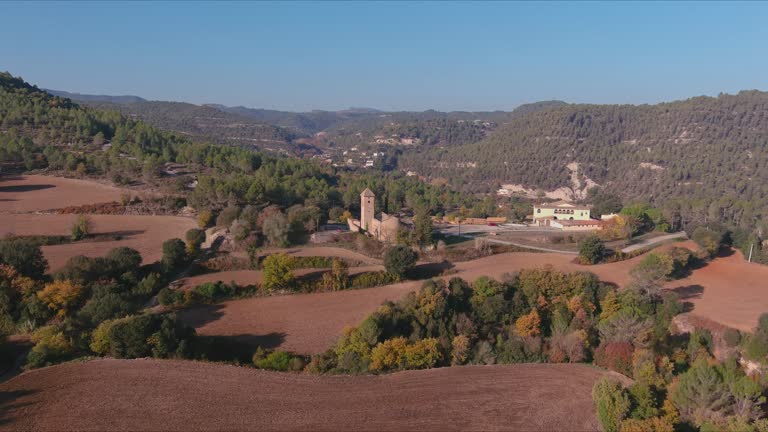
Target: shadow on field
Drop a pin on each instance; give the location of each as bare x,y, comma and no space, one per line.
430,270
7,404
25,188
237,348
199,316
115,235
686,293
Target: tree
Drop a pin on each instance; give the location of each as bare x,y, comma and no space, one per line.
204,219
195,237
25,256
591,249
710,240
612,403
275,228
81,228
422,354
338,278
174,254
389,355
277,271
528,325
123,260
422,227
701,393
398,260
652,270
61,296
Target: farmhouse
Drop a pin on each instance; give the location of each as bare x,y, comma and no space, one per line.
384,228
566,216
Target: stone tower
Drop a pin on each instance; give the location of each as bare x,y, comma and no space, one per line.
366,209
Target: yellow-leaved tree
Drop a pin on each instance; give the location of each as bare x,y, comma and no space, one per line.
61,296
529,324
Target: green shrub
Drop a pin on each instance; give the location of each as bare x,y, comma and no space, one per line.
276,360
174,255
373,279
591,250
81,228
277,271
312,262
398,260
170,297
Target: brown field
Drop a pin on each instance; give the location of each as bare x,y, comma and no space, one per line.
182,395
143,233
28,193
311,323
728,290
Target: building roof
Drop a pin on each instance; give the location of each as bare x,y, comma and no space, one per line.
563,205
367,193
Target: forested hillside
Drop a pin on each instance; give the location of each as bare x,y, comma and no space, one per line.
202,123
703,159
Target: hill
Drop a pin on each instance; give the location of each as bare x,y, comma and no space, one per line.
184,395
96,98
703,159
199,122
204,123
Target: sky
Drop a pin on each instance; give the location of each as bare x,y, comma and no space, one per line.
388,55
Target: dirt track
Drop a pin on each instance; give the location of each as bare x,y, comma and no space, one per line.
179,395
310,323
28,193
143,233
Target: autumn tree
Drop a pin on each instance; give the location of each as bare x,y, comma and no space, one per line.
277,271
529,324
61,296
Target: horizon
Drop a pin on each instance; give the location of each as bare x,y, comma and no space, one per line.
304,57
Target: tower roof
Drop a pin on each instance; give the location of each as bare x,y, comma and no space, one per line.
367,193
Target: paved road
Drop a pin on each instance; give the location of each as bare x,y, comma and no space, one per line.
474,229
655,240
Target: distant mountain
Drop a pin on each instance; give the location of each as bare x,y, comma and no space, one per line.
705,157
96,98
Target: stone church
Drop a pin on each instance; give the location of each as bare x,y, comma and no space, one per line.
384,228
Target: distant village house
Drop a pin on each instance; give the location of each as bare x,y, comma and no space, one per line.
566,216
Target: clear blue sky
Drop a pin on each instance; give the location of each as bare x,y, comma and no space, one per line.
410,56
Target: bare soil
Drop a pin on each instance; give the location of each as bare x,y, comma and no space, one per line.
27,193
182,395
143,233
728,290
